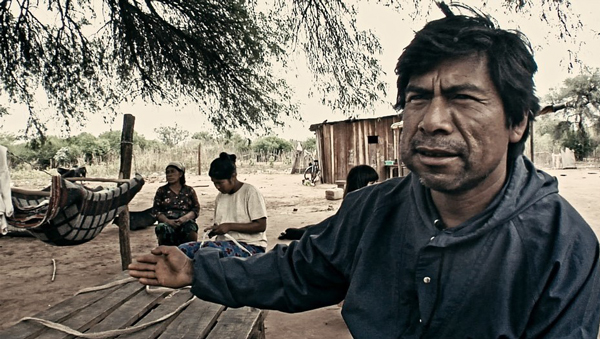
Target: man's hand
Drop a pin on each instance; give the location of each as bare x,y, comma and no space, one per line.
166,266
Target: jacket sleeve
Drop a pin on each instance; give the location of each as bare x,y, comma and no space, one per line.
310,273
569,304
292,278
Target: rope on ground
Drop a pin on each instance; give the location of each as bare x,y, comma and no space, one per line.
105,286
53,269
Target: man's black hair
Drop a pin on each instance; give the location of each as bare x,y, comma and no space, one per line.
509,55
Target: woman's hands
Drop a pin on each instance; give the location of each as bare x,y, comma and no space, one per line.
175,223
166,266
259,225
218,229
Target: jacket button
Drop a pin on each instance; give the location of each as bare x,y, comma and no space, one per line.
427,280
431,239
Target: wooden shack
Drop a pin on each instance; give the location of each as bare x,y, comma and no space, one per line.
344,144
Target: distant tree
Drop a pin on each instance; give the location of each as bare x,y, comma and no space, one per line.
114,140
42,152
171,135
581,96
88,57
239,144
66,156
90,146
310,144
202,136
8,139
272,144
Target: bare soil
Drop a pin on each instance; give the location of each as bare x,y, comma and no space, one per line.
25,282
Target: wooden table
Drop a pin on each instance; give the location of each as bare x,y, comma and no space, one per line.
129,304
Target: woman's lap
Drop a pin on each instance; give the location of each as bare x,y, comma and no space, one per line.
170,235
228,248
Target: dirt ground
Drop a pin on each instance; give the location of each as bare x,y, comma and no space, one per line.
25,282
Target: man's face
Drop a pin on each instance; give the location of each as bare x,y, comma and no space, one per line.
455,136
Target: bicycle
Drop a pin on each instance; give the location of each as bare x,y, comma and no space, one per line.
312,174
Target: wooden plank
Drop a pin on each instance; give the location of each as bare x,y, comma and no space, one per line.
168,305
129,312
195,321
239,323
94,313
57,313
340,152
332,137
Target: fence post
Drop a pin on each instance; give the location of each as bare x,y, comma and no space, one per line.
125,173
199,159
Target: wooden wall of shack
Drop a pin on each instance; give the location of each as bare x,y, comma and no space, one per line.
342,145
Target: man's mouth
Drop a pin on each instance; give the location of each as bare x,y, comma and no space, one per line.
435,152
435,156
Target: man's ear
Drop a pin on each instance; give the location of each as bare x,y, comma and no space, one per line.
517,131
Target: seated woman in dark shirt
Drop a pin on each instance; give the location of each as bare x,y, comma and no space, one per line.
176,208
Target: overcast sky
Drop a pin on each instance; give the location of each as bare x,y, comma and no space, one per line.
395,31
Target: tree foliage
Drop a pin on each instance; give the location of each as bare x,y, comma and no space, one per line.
85,57
171,135
272,144
114,140
581,115
89,57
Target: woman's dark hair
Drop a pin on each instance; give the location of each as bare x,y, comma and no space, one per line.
222,167
359,177
509,56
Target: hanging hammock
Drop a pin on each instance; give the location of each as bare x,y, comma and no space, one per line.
70,214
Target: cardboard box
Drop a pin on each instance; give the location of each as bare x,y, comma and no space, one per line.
334,194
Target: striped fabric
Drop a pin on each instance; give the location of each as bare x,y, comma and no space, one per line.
72,214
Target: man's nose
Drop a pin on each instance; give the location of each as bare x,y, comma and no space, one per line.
437,117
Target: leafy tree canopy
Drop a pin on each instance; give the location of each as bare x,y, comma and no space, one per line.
272,144
171,135
580,97
87,57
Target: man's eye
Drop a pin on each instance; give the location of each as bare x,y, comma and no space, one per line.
464,97
414,97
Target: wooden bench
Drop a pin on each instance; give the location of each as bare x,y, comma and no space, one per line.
129,304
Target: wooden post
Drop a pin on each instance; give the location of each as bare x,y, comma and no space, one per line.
200,159
531,141
125,173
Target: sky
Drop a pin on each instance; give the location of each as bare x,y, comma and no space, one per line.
395,30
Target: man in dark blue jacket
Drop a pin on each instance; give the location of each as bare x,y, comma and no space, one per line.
474,243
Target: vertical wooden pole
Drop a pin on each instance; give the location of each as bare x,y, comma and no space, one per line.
125,173
531,141
200,159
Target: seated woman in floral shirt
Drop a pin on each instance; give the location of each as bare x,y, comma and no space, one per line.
176,208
